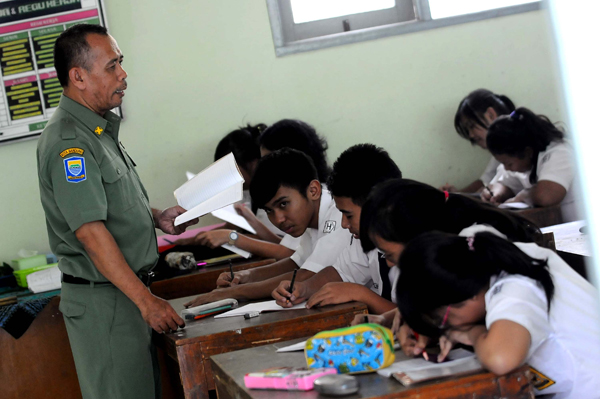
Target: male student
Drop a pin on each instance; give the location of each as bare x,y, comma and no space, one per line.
286,186
355,276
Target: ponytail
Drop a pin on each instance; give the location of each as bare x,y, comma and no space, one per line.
512,135
440,269
474,105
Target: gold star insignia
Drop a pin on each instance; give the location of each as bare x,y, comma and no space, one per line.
98,130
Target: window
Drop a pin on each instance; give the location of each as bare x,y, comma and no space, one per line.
305,25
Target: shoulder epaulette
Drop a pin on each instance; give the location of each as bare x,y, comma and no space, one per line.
68,129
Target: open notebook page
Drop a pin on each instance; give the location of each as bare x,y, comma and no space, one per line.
266,306
230,215
229,196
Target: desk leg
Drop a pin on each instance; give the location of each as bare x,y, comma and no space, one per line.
191,366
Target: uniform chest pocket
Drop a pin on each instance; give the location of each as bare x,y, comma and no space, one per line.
120,191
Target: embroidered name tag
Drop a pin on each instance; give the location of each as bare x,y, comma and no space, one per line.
75,169
329,226
70,151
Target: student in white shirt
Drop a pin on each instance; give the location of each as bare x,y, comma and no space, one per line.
399,210
285,184
475,114
514,303
355,275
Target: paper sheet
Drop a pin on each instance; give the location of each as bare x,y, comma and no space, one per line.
237,250
293,348
456,355
267,306
229,214
514,205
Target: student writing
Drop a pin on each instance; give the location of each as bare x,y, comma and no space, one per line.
531,144
286,185
355,275
514,303
475,114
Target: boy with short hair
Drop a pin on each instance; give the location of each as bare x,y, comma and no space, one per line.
286,186
355,275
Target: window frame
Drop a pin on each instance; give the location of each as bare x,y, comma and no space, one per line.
422,22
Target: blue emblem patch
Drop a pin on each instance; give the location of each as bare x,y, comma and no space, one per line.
75,169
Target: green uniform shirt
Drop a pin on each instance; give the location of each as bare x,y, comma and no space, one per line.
85,175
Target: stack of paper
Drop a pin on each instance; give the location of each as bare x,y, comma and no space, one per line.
44,280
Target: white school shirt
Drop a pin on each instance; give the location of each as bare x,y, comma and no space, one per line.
491,171
355,266
320,247
565,344
555,164
286,240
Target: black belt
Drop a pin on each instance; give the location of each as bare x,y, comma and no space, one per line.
66,278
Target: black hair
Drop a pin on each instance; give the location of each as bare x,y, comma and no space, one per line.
299,136
401,209
358,170
285,167
474,105
71,50
440,269
511,135
243,143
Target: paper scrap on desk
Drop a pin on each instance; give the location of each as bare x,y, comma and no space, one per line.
293,348
44,280
237,250
514,205
230,215
456,355
261,307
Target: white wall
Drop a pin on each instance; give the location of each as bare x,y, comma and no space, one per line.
199,68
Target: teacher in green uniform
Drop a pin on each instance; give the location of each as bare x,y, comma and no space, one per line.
100,224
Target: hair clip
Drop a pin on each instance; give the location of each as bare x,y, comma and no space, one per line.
470,242
514,115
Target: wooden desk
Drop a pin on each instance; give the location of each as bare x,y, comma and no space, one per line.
229,370
200,281
542,217
188,351
40,363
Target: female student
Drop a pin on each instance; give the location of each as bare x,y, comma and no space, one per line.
475,114
529,143
401,209
514,303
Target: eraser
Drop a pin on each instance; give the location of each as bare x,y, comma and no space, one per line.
251,315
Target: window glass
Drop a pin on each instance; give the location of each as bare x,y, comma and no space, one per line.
314,10
451,8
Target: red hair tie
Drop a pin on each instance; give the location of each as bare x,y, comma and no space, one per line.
446,194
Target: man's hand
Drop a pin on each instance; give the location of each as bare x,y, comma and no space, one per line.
241,277
287,299
160,315
215,295
213,238
165,220
332,294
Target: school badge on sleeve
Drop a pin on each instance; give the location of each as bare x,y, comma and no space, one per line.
75,169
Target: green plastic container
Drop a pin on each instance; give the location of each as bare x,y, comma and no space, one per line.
27,263
21,275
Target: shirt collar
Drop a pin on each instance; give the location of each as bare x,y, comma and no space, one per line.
94,122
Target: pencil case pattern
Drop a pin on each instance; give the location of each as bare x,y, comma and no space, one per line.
358,349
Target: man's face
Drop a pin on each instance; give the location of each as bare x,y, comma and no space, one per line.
105,81
290,211
350,214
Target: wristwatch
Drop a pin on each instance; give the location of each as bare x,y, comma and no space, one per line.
233,237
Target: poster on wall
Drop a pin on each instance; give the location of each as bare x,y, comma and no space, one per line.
30,88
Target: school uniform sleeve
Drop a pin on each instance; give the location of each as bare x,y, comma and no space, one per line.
556,165
290,242
353,265
490,171
327,250
304,249
520,300
76,183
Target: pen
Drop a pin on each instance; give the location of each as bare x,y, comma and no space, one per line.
169,241
201,264
207,312
231,269
291,289
490,191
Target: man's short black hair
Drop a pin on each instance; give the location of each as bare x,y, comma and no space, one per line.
72,50
285,167
358,170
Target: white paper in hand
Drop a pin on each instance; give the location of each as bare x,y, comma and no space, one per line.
230,215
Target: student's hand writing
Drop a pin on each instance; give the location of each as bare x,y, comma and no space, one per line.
165,220
215,295
448,187
160,315
241,277
445,348
287,299
397,322
331,294
370,318
213,238
411,346
486,196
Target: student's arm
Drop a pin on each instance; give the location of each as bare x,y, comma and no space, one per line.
216,238
547,193
501,349
258,290
104,252
473,187
304,289
262,231
500,191
334,293
256,274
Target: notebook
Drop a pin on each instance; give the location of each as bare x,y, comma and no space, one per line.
260,307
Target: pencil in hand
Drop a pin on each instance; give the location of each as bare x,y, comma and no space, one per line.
291,289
